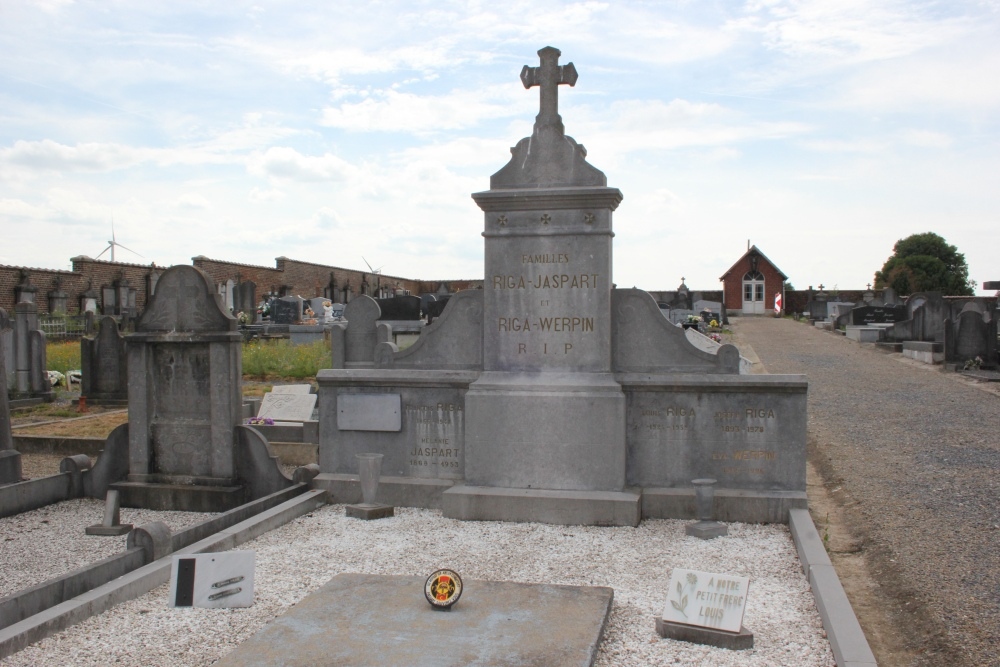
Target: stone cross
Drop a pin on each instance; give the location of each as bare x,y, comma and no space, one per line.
548,76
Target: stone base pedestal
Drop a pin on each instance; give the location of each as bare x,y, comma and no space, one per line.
706,530
368,512
553,430
696,635
109,531
396,491
180,497
10,466
568,508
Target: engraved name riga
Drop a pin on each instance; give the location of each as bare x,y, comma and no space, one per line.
556,324
554,281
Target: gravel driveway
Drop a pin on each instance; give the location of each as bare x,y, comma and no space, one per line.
915,453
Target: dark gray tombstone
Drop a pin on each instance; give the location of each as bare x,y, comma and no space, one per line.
10,459
972,336
245,299
878,315
185,403
817,305
400,308
104,366
286,310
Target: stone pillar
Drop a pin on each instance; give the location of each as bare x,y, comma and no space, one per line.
25,321
10,459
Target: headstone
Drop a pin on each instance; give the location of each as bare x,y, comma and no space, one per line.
10,459
706,608
287,407
29,354
319,306
286,310
878,315
399,308
548,395
104,364
972,337
362,315
185,403
245,299
291,389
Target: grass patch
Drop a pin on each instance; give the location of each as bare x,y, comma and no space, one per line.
277,359
62,356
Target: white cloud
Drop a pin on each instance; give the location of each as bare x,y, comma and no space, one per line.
394,111
50,155
287,164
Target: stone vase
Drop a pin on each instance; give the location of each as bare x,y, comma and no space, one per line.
369,469
704,495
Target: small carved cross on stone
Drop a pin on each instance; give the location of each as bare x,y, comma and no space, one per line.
821,286
548,76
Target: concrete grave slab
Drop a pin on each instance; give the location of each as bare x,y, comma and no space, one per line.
365,619
299,389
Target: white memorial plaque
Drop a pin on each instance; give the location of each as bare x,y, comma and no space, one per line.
300,389
212,580
369,412
706,599
287,407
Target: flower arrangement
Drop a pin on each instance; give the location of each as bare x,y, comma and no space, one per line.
309,312
260,421
973,364
264,310
243,318
694,318
713,323
716,337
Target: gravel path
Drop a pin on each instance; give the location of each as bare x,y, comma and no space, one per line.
298,558
915,453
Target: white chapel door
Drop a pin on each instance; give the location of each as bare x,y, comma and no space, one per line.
753,293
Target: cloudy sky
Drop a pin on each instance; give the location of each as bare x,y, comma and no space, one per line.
329,132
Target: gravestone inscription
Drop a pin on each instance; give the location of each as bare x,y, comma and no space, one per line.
287,407
878,315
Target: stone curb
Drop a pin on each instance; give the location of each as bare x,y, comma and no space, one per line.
146,578
847,639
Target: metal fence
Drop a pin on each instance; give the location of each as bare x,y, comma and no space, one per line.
69,326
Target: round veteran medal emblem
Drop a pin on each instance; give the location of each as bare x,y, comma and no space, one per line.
443,588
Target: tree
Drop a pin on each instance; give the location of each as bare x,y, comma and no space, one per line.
925,263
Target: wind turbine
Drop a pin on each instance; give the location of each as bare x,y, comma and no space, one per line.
375,272
112,243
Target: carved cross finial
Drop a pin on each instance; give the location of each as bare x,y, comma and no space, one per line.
548,76
869,285
821,285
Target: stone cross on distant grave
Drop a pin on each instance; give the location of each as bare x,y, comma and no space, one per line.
548,76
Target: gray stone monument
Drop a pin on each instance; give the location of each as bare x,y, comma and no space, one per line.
10,458
104,366
31,378
548,395
187,450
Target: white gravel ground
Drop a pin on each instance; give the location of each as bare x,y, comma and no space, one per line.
298,558
50,541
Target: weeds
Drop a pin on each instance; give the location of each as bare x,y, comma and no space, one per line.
274,359
62,356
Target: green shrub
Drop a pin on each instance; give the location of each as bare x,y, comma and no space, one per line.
273,359
62,356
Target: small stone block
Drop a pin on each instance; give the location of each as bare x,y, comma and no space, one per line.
369,512
706,530
100,529
738,641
